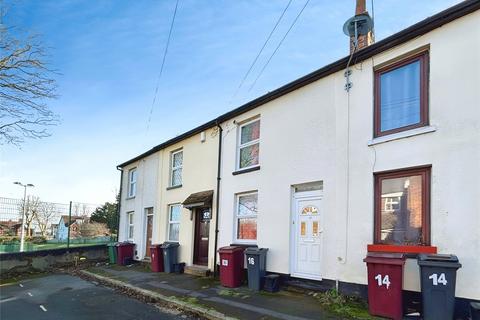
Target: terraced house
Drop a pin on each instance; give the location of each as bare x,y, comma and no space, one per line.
376,152
168,193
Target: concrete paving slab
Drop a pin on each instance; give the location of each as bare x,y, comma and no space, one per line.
240,303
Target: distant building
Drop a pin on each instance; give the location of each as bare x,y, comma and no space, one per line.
62,228
10,228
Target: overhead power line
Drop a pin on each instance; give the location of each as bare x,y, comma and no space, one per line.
279,44
261,50
162,66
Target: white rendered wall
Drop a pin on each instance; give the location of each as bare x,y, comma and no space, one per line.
145,197
305,135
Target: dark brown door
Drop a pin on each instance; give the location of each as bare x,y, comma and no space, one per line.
202,230
149,233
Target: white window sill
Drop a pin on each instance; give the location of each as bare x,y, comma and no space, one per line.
402,135
244,243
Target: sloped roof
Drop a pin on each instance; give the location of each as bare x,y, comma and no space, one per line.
73,219
414,31
199,199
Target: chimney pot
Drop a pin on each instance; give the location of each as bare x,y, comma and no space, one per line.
363,40
360,7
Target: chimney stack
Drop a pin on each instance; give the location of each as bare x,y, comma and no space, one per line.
363,40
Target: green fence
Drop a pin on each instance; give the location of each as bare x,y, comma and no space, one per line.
54,244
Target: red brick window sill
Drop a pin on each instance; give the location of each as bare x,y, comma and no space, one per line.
401,249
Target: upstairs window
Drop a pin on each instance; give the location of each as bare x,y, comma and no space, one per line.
132,182
402,207
401,95
176,167
246,217
248,148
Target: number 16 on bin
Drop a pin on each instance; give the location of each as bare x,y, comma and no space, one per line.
436,279
383,280
251,261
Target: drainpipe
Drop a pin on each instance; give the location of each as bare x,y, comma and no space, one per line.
119,201
220,130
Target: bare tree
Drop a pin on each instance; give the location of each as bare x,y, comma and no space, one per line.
25,84
44,215
32,205
76,208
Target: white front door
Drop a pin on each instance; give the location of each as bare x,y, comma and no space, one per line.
307,234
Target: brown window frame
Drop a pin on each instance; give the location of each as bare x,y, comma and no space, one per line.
423,57
425,172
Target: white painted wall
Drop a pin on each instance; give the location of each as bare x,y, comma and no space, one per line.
199,174
146,196
153,173
306,135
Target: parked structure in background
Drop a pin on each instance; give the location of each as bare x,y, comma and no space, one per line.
321,175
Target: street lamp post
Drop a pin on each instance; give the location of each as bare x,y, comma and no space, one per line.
25,186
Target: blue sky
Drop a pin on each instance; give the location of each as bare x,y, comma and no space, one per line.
109,53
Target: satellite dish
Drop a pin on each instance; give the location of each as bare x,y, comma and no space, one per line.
357,25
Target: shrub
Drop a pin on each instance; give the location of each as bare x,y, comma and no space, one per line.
9,240
38,240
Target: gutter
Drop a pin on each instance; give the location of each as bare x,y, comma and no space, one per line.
119,201
217,201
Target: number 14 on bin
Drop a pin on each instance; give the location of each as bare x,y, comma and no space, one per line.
383,280
436,279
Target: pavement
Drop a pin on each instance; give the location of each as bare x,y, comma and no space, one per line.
239,303
61,296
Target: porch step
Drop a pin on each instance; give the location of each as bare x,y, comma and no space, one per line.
196,270
306,286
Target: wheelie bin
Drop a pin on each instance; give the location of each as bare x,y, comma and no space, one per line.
124,252
256,265
156,258
385,282
170,256
438,273
475,310
231,266
112,252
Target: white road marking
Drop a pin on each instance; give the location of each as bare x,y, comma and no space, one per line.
8,299
21,285
43,308
31,295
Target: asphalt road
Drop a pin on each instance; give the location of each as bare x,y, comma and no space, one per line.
66,297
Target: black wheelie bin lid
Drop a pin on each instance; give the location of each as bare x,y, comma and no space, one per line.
167,245
255,250
439,260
